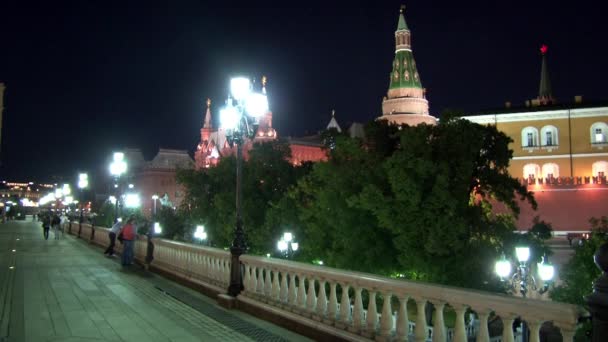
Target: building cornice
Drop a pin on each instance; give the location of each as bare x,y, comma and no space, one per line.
537,116
562,156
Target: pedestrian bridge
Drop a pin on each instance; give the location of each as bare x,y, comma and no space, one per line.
319,302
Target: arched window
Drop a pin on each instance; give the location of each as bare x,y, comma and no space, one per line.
600,169
550,170
548,136
529,137
599,133
532,171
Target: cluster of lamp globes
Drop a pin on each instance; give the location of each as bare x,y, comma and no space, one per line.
64,193
244,101
546,271
287,243
118,166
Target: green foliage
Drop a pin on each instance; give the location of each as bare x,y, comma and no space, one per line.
579,273
173,224
105,214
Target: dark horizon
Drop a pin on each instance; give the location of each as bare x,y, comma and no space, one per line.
86,78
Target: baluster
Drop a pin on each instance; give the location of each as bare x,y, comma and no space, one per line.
311,297
460,330
247,280
275,285
254,279
386,321
260,286
345,305
439,333
567,334
534,326
268,284
421,327
372,313
284,288
358,310
402,320
321,300
483,335
332,308
292,299
507,329
302,292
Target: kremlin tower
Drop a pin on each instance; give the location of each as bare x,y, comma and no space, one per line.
545,95
405,102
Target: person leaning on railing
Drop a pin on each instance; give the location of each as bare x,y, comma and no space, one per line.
129,234
113,232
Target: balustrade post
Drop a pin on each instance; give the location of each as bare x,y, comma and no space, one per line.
402,320
345,305
292,299
421,325
254,280
439,333
358,310
372,314
386,321
275,285
597,302
284,288
332,308
247,281
92,231
507,328
483,335
534,326
311,297
321,300
567,334
260,287
302,292
460,329
268,283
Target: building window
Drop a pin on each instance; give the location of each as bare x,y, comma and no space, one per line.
599,168
531,171
549,136
549,139
550,170
598,133
529,137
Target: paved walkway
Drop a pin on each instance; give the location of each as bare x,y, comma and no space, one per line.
66,290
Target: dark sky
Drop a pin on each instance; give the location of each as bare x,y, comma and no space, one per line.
86,77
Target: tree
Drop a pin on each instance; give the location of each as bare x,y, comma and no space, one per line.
414,201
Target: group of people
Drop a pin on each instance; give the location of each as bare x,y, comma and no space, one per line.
126,234
55,221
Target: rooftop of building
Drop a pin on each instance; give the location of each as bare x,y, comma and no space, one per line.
529,107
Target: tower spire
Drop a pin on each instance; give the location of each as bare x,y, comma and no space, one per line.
207,123
545,94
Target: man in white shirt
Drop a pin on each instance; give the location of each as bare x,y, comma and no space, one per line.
113,232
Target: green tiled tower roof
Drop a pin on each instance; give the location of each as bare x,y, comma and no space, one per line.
404,73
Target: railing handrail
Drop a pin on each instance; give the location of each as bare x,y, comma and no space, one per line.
550,311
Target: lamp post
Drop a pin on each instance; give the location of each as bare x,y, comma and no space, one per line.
240,119
117,168
155,198
523,280
83,183
286,245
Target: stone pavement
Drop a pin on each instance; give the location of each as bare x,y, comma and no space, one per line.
66,290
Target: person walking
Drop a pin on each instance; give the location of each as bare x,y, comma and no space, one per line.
46,225
113,232
128,235
56,224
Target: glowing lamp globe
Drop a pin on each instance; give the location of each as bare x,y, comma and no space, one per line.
157,228
83,180
287,237
546,271
503,268
66,189
282,245
240,88
523,253
58,193
256,104
295,246
229,117
200,233
132,201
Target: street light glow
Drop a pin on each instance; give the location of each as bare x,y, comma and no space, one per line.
240,88
132,201
66,189
119,165
546,271
282,245
256,104
200,233
523,253
503,268
83,180
157,228
154,197
287,236
229,117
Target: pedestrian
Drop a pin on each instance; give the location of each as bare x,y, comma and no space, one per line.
113,232
46,225
56,224
128,236
65,221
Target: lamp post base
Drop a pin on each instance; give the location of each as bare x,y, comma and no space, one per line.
236,273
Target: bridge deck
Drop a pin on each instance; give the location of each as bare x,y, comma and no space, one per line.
66,290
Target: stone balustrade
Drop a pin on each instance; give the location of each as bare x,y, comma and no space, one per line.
354,305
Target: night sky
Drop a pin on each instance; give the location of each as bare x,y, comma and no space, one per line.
87,77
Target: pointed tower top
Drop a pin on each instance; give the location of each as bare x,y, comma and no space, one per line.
207,123
208,102
264,81
545,94
401,25
333,123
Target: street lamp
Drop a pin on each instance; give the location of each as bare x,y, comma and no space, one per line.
200,234
83,183
240,119
522,279
117,168
155,198
287,245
